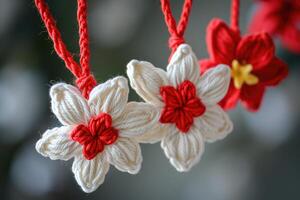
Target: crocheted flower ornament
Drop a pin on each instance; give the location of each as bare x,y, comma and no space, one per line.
251,58
279,18
187,103
96,132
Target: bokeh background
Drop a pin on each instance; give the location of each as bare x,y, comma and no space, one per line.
259,160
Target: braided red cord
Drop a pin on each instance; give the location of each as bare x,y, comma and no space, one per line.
83,36
235,12
84,79
176,31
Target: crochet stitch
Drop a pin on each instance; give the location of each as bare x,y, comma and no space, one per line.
252,60
186,102
189,114
99,126
84,79
279,18
97,132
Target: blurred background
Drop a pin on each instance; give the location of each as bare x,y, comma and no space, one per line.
259,160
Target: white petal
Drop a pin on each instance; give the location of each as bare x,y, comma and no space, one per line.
109,97
213,84
156,134
90,174
68,104
183,149
183,66
146,80
215,124
136,119
125,155
56,144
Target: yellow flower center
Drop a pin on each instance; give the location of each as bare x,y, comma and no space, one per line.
241,73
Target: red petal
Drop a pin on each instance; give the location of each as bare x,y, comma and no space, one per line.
273,73
109,136
221,41
256,49
231,98
187,90
100,123
168,115
291,38
206,64
251,96
184,121
92,149
195,107
170,96
267,18
81,134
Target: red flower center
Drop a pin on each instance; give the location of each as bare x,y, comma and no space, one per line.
181,105
96,135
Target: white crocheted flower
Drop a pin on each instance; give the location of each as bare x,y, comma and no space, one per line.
186,102
97,132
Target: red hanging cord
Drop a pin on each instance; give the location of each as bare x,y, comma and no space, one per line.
176,31
84,79
235,12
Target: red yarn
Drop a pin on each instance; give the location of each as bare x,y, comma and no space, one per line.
280,18
235,12
96,135
181,105
79,71
86,84
225,45
176,31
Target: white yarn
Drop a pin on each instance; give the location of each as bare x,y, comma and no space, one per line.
131,119
67,99
90,174
56,144
148,85
129,155
183,149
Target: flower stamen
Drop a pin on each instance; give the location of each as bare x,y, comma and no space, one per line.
241,73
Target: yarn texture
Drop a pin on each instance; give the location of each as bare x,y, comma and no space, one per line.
252,61
279,18
186,103
97,132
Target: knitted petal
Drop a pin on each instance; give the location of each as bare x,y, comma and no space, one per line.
231,98
213,84
155,134
109,97
125,155
136,119
273,74
68,105
183,66
146,80
290,38
256,49
214,124
267,18
183,150
251,96
206,64
221,41
56,144
90,174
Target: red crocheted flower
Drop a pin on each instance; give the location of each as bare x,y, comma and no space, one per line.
96,135
251,59
279,18
181,105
